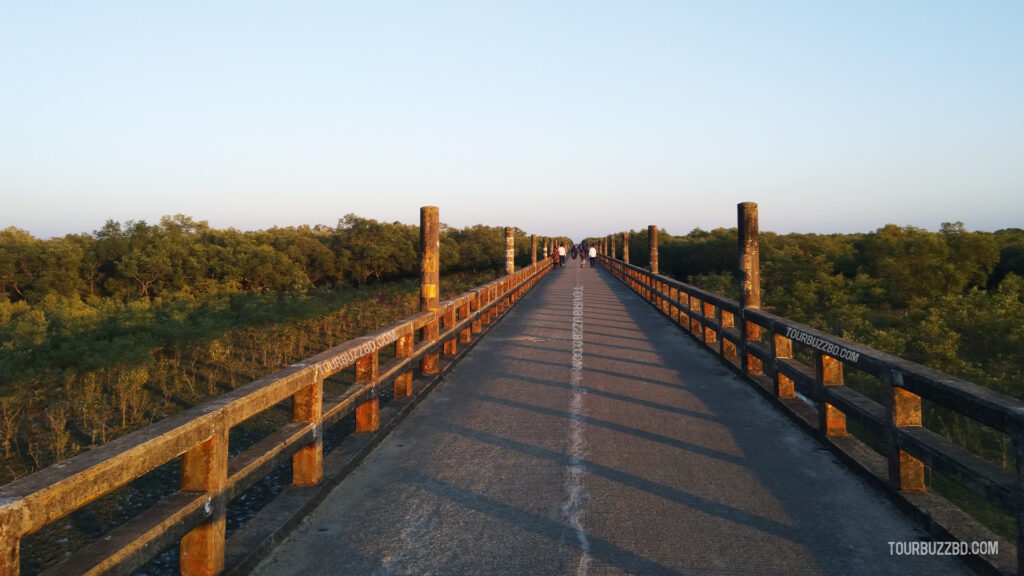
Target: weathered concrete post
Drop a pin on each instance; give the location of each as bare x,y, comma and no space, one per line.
625,247
10,556
906,473
205,469
829,372
368,413
652,242
404,348
750,281
611,242
430,244
546,241
510,250
450,345
533,248
466,334
307,463
782,349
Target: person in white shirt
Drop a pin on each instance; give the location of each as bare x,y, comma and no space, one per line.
561,255
593,254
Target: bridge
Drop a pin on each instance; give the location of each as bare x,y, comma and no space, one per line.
555,421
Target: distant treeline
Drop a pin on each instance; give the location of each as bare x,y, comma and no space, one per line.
102,333
183,257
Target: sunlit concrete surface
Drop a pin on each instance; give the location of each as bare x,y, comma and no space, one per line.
651,459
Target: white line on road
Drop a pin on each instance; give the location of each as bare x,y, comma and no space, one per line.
577,443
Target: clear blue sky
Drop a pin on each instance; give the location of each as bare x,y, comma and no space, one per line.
576,118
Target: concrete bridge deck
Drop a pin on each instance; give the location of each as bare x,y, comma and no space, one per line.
652,459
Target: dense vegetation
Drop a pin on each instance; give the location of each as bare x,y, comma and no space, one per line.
102,333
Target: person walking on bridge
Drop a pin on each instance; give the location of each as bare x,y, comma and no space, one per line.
593,254
561,255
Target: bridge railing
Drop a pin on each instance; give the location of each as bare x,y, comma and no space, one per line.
763,351
195,515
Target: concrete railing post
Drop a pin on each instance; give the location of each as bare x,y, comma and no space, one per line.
510,250
652,242
782,348
450,345
625,247
750,282
533,249
466,334
308,462
368,413
906,473
829,372
404,348
474,305
611,243
10,544
430,244
205,469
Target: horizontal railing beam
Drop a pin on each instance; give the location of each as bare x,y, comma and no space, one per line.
129,546
945,457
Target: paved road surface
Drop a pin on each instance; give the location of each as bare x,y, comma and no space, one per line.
651,459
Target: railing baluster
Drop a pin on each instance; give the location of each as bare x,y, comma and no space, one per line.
10,543
695,307
403,349
710,335
728,320
466,334
308,462
368,413
782,347
906,473
204,468
829,372
476,326
451,344
682,318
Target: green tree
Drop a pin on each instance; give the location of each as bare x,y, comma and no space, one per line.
975,255
911,263
378,249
